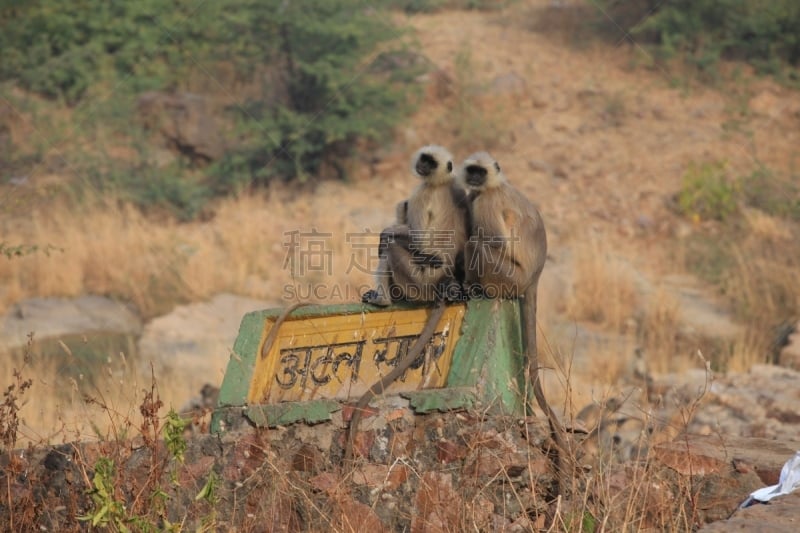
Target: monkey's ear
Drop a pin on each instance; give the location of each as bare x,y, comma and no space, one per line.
497,166
449,166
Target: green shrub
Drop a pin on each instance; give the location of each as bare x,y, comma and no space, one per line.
707,193
59,49
430,6
322,89
762,32
141,182
325,99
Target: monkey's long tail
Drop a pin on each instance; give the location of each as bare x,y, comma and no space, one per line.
276,326
562,452
424,337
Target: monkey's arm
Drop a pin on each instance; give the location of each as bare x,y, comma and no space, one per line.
397,234
378,388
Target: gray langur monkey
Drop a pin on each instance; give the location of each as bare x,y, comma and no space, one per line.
421,259
505,256
421,256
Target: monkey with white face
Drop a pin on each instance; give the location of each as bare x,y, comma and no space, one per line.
507,247
421,259
505,255
422,254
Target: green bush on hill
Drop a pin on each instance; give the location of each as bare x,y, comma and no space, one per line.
762,32
317,95
325,96
60,49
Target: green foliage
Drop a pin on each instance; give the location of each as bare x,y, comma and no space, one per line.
763,32
60,49
416,6
144,183
21,250
323,99
174,427
707,192
209,490
318,84
106,510
209,494
430,6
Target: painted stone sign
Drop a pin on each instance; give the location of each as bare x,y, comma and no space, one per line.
339,356
326,356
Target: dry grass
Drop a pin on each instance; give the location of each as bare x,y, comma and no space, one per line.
156,263
61,407
603,290
760,282
658,333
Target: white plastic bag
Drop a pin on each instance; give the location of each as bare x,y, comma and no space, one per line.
788,482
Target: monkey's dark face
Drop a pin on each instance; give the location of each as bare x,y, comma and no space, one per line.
433,164
480,171
475,176
427,165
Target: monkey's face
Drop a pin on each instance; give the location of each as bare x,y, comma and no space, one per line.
480,171
427,165
475,176
433,164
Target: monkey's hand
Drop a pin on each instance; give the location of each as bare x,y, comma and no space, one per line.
374,297
396,235
452,291
473,291
428,260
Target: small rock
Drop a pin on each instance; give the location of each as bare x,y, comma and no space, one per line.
325,482
438,504
356,516
185,120
366,412
362,442
509,83
371,475
448,451
491,454
307,459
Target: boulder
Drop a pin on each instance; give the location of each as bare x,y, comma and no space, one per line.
196,340
65,317
779,516
185,121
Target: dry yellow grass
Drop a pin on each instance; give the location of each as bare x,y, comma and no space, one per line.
658,333
57,408
156,263
603,289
